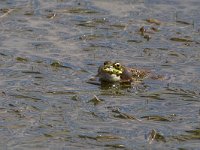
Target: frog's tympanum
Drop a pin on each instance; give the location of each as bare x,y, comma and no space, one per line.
116,72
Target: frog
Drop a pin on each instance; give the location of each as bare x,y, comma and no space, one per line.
117,72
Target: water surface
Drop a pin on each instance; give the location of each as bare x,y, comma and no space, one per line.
50,49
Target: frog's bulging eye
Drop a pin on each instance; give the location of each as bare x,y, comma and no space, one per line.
117,65
106,63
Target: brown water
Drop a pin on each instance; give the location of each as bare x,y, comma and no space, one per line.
50,49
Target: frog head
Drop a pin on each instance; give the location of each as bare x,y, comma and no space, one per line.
110,71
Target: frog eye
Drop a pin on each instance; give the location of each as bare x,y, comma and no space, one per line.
106,63
117,65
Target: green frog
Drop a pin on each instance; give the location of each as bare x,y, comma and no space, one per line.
116,72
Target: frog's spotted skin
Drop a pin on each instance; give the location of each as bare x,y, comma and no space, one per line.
116,72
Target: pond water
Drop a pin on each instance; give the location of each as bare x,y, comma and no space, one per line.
49,50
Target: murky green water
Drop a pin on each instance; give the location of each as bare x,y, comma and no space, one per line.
50,49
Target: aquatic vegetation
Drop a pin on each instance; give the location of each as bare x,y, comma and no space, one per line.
177,39
21,59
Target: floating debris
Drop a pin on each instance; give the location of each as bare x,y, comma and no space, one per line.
95,100
147,29
51,16
56,64
78,10
123,115
100,137
134,41
142,30
21,59
148,37
121,26
183,22
31,72
115,146
154,135
156,118
154,29
92,23
177,39
75,98
29,13
2,93
91,36
152,20
5,12
107,137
